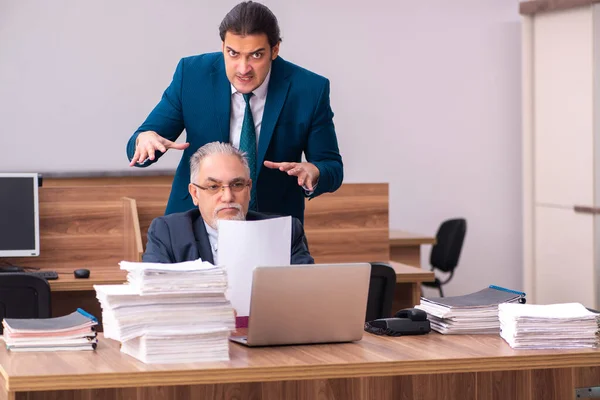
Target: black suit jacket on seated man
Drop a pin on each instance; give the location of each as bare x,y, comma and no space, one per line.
182,237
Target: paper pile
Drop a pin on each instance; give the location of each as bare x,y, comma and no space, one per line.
552,326
70,332
474,313
169,312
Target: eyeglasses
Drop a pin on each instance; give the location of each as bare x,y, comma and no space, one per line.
213,189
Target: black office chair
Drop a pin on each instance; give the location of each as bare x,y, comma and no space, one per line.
23,296
446,250
381,291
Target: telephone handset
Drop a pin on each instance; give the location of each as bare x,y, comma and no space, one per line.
409,321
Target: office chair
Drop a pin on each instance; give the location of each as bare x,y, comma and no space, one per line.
446,250
381,291
23,296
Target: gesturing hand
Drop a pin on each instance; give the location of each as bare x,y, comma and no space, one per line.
307,173
148,143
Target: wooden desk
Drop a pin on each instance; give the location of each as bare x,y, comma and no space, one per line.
405,247
432,366
408,285
67,282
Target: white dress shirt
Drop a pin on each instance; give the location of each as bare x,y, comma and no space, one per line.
238,108
213,238
257,105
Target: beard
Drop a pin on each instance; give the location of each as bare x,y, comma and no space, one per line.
237,217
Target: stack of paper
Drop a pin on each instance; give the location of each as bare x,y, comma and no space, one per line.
126,314
474,313
70,332
552,326
186,277
169,312
161,348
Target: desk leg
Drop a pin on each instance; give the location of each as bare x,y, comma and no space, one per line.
406,295
409,255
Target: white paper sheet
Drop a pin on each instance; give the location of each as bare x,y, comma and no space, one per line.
196,265
244,245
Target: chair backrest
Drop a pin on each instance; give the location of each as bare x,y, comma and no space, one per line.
23,296
381,291
448,244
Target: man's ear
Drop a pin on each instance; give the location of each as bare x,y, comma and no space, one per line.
192,190
275,51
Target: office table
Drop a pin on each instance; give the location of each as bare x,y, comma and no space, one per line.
67,282
405,247
431,366
408,285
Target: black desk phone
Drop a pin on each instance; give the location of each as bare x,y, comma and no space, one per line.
409,321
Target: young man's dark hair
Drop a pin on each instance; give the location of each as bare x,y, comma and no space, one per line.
250,18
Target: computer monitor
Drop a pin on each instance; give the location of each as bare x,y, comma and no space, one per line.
19,215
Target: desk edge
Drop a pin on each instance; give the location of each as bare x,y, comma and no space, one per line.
282,373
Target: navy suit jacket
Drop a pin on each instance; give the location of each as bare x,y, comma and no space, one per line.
182,237
297,118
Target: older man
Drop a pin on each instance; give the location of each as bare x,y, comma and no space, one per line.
220,187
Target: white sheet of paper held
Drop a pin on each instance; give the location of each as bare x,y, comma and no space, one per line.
244,245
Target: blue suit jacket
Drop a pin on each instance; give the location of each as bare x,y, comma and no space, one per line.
182,237
297,118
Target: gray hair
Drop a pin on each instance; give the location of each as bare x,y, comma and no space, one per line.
214,148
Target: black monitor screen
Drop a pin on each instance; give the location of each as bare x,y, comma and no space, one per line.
19,236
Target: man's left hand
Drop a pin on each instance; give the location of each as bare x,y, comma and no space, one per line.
307,173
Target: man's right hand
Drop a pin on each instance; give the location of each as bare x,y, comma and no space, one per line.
147,143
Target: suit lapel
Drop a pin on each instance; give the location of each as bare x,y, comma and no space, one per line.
202,242
221,88
253,216
276,95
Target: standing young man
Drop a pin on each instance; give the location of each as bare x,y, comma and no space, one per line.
263,105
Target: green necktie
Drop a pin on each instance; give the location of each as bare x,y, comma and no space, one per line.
248,145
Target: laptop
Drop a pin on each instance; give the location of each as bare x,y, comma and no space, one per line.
302,304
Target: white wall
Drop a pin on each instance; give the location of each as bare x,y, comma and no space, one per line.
426,97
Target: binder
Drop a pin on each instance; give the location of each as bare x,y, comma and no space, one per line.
492,295
75,331
473,313
76,320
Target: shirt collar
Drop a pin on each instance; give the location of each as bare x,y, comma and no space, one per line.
261,91
212,235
